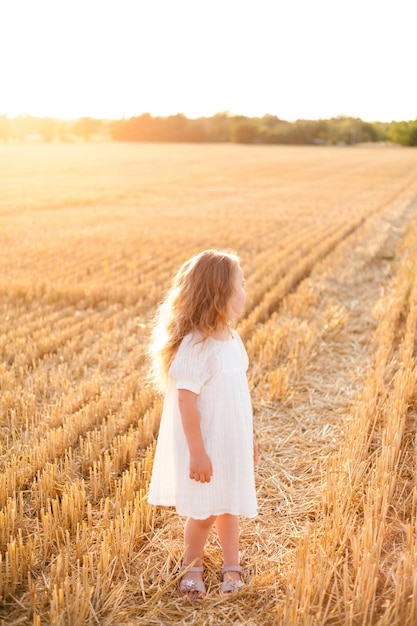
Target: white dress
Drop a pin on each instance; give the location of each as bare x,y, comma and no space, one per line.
216,371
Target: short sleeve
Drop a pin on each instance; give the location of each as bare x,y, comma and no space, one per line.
192,366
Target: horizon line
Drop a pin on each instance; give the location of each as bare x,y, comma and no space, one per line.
224,112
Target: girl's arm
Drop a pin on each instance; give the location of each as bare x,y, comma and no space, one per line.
255,453
200,464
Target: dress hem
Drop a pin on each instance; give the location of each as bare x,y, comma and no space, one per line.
201,516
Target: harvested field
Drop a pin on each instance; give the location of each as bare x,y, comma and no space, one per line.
90,237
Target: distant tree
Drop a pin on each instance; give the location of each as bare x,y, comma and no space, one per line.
63,130
381,130
403,133
24,125
271,129
413,134
268,129
366,132
244,130
342,130
174,128
47,127
319,131
5,129
141,128
303,132
196,131
85,127
218,127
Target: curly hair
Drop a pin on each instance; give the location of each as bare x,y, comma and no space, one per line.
197,301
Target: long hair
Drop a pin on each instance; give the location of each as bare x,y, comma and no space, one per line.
197,301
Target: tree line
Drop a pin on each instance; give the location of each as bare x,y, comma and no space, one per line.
221,127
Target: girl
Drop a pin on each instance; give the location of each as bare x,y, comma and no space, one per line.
205,454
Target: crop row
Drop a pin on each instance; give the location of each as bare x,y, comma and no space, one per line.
363,544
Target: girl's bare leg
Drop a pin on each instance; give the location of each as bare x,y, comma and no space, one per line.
227,527
195,536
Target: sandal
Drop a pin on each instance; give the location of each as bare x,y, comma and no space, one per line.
195,590
229,585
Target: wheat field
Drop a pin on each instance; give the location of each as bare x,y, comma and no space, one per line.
90,237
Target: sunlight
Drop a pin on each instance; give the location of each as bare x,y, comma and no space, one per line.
108,61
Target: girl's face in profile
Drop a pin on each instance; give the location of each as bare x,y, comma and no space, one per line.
238,299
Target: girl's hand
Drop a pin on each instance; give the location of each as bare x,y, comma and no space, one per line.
201,469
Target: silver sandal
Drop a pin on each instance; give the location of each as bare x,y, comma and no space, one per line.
195,590
230,585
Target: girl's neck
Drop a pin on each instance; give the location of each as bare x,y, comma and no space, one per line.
222,333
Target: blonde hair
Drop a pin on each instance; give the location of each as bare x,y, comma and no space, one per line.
197,300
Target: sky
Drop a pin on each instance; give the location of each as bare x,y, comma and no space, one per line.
296,59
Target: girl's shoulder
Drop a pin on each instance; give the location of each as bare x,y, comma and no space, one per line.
191,339
194,342
194,361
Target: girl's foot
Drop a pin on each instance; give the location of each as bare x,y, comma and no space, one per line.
232,579
192,585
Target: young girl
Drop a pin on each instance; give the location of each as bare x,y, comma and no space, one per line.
205,454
